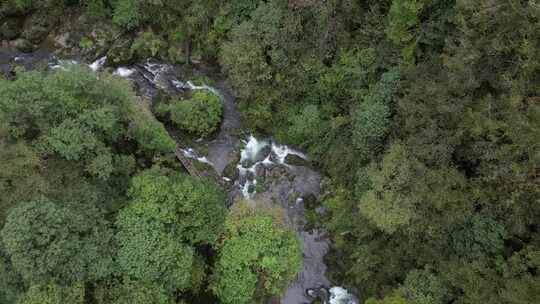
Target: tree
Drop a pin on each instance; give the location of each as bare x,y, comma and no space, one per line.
478,237
127,13
147,252
134,292
425,287
257,259
52,293
68,243
168,216
201,114
10,282
243,59
406,195
392,299
190,208
372,118
79,116
403,18
20,175
307,126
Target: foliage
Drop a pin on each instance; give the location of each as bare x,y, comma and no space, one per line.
10,282
47,241
169,213
424,287
148,45
20,178
422,115
200,114
190,208
128,13
372,120
478,237
258,257
133,292
393,299
53,294
77,115
149,253
403,18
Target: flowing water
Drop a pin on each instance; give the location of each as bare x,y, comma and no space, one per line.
263,170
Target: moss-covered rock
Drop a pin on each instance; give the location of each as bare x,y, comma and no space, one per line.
295,160
231,171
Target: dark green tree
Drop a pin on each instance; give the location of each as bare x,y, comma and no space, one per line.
257,259
69,243
190,208
52,293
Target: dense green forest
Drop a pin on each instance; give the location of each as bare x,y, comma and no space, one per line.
423,115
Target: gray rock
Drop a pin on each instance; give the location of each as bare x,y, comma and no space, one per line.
61,41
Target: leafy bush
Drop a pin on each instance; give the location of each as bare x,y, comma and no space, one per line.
201,114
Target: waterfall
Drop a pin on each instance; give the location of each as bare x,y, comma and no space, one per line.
339,295
124,72
257,153
98,64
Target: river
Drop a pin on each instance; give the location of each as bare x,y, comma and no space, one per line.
263,172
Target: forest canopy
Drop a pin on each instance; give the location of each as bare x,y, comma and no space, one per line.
96,211
422,115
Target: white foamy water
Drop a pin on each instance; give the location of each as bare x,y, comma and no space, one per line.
281,151
260,153
124,72
339,295
252,149
98,64
62,64
159,74
190,153
191,86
